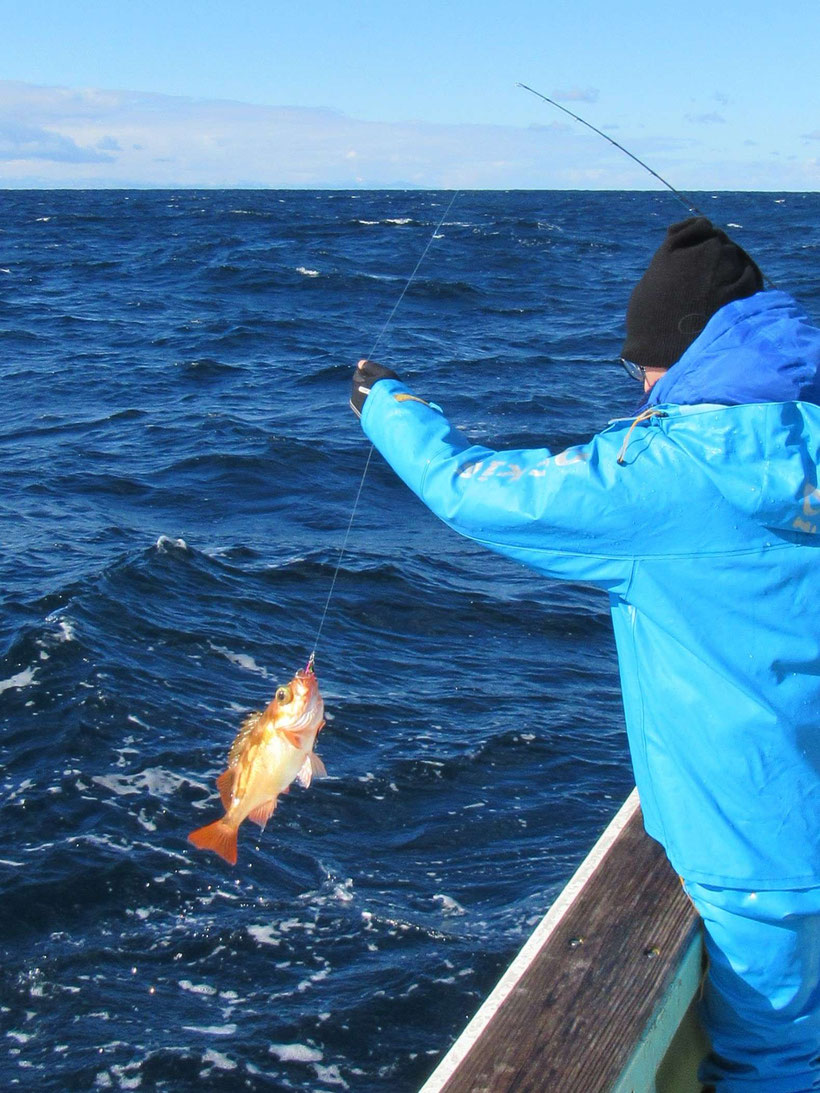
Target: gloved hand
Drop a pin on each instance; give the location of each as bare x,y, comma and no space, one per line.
367,373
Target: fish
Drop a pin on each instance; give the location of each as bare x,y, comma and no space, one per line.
273,748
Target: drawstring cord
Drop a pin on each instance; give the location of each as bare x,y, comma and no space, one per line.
644,415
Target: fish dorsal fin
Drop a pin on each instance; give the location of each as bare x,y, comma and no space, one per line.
246,730
224,784
313,767
263,813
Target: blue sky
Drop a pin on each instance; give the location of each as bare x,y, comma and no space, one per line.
718,95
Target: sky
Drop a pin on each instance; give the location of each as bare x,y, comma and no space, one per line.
717,95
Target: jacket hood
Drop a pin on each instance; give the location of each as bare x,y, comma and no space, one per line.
757,363
759,349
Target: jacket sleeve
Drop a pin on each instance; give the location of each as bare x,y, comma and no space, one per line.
572,515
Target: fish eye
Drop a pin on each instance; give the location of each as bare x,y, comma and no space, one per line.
284,694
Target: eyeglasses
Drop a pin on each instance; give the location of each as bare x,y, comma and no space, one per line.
634,371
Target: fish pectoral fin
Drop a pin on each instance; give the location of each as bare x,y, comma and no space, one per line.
294,738
313,767
263,813
305,773
300,739
224,784
319,770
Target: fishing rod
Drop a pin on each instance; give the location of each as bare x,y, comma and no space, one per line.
684,200
370,356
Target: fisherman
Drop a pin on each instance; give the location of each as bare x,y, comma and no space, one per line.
700,520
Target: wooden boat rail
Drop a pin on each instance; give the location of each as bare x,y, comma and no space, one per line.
598,993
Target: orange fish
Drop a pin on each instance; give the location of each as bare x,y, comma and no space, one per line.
271,749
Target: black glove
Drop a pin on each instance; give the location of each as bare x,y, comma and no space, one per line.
367,373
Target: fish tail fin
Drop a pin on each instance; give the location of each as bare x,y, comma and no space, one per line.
219,837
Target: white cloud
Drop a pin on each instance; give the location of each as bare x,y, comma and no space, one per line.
52,136
20,142
124,138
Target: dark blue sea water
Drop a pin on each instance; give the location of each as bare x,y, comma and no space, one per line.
178,469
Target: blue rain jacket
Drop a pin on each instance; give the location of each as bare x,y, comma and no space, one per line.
705,536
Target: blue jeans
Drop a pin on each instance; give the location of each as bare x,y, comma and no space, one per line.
761,1003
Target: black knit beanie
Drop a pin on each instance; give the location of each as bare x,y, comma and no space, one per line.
695,271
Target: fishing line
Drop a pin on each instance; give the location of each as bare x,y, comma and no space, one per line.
684,200
370,356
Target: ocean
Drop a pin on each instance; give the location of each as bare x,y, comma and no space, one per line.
179,467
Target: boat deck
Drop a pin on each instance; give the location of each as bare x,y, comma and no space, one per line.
600,991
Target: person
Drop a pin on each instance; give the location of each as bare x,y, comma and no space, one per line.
699,519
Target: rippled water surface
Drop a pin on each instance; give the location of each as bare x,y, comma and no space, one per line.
178,469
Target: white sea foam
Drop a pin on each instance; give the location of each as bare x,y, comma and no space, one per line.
165,542
330,1075
218,1060
307,272
212,1030
344,892
154,780
398,220
449,906
19,681
197,988
264,935
295,1053
21,790
67,632
127,1076
241,660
